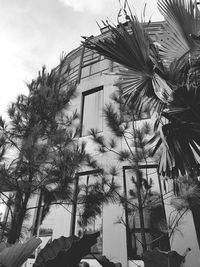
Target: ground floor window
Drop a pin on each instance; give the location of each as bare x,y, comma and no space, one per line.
87,183
145,217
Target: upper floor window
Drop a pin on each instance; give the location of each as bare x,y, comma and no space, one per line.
92,105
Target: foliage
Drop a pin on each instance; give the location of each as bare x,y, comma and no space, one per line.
141,198
188,196
93,196
65,251
46,154
156,257
40,152
103,261
17,254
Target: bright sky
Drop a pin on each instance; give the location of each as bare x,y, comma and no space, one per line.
33,33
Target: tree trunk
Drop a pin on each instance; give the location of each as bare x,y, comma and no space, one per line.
141,214
18,218
38,212
140,206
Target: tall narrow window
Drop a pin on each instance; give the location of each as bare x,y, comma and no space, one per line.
89,186
92,106
144,210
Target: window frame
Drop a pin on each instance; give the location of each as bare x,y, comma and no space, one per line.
147,230
75,204
84,94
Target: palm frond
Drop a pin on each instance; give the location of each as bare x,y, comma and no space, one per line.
177,71
139,88
129,45
17,254
182,23
180,150
66,250
161,89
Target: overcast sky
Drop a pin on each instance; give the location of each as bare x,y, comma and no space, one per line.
33,33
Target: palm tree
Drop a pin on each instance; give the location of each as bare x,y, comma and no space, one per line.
163,75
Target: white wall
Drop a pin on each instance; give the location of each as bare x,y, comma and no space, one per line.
114,235
185,236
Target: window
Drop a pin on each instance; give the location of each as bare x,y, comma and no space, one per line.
145,217
87,186
92,105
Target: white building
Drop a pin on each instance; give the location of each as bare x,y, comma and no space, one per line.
95,78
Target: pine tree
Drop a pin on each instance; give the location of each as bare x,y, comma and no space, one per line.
41,138
41,141
141,199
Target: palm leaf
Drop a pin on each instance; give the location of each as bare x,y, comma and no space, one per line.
51,250
156,258
126,45
177,71
130,46
180,150
66,251
182,24
17,254
180,136
185,105
143,90
161,89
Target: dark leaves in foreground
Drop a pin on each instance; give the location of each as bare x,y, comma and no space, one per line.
65,251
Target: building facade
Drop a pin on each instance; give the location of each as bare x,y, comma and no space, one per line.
120,227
